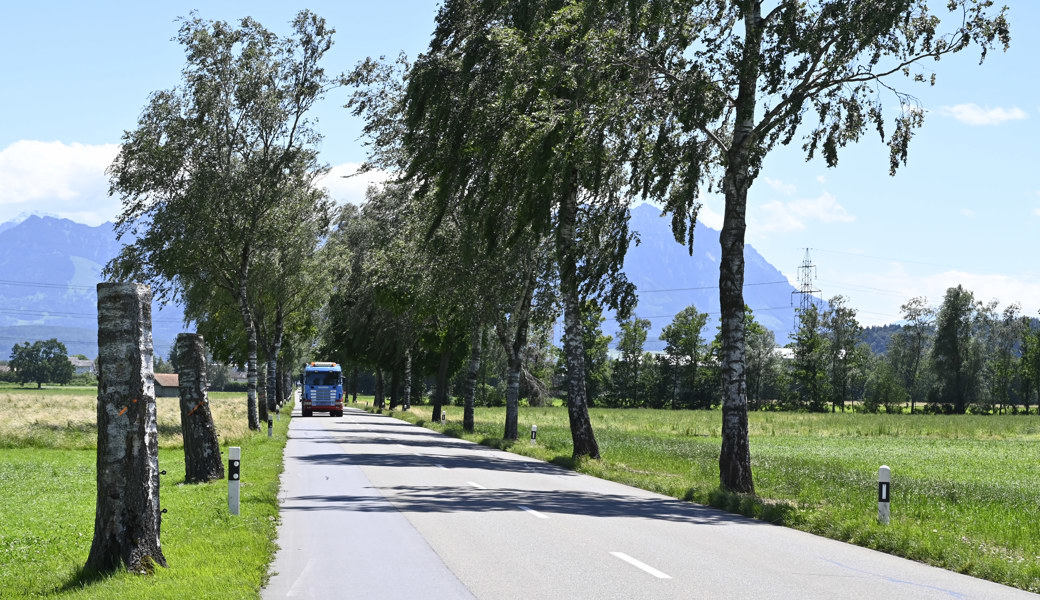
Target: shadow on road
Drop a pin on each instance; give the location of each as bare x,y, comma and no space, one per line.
447,499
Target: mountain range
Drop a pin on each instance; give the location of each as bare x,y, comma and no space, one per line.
49,269
668,279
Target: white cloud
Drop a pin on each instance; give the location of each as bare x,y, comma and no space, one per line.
1002,288
793,216
784,188
967,212
973,114
345,186
67,180
710,217
878,295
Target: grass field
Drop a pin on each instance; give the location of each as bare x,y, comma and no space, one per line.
965,489
965,492
48,493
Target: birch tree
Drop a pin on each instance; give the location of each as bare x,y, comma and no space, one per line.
218,166
739,78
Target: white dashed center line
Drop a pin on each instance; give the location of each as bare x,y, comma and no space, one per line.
532,511
641,565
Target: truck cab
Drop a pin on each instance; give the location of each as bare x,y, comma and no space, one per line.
322,389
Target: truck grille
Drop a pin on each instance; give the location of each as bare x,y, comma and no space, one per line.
323,397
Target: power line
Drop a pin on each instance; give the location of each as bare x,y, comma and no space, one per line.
711,287
40,284
716,313
901,260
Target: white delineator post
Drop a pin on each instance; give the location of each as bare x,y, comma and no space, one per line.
884,494
534,433
234,477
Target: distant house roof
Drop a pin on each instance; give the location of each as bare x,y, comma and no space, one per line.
169,380
82,365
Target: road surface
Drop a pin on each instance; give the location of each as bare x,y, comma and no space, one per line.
375,508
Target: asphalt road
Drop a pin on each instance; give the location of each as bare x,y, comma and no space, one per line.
375,508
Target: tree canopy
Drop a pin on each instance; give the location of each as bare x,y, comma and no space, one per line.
39,362
221,169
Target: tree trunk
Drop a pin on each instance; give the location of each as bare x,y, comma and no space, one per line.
283,383
127,520
395,387
470,391
250,327
582,436
261,396
378,402
521,317
354,384
202,461
735,457
272,381
272,361
407,379
416,383
251,360
440,397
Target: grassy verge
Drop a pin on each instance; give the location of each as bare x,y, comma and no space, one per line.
48,492
965,492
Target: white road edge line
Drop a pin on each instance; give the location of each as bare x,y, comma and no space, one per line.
442,467
532,511
641,565
476,485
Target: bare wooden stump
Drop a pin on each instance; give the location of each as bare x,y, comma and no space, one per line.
202,460
127,519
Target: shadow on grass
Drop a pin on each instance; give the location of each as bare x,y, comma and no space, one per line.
749,505
84,578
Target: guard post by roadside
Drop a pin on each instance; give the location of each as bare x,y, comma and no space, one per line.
234,477
884,494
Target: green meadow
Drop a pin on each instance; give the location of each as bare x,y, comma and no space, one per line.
48,493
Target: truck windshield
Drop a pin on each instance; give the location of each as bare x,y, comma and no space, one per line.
328,378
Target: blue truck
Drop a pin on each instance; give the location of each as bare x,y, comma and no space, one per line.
322,389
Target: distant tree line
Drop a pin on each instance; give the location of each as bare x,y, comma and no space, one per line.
963,356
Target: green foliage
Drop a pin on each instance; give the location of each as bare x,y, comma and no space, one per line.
629,380
957,352
41,362
596,348
884,389
685,348
843,335
809,368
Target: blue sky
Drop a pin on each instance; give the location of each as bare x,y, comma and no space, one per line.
965,210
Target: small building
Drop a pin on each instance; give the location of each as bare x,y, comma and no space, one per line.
167,385
82,365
